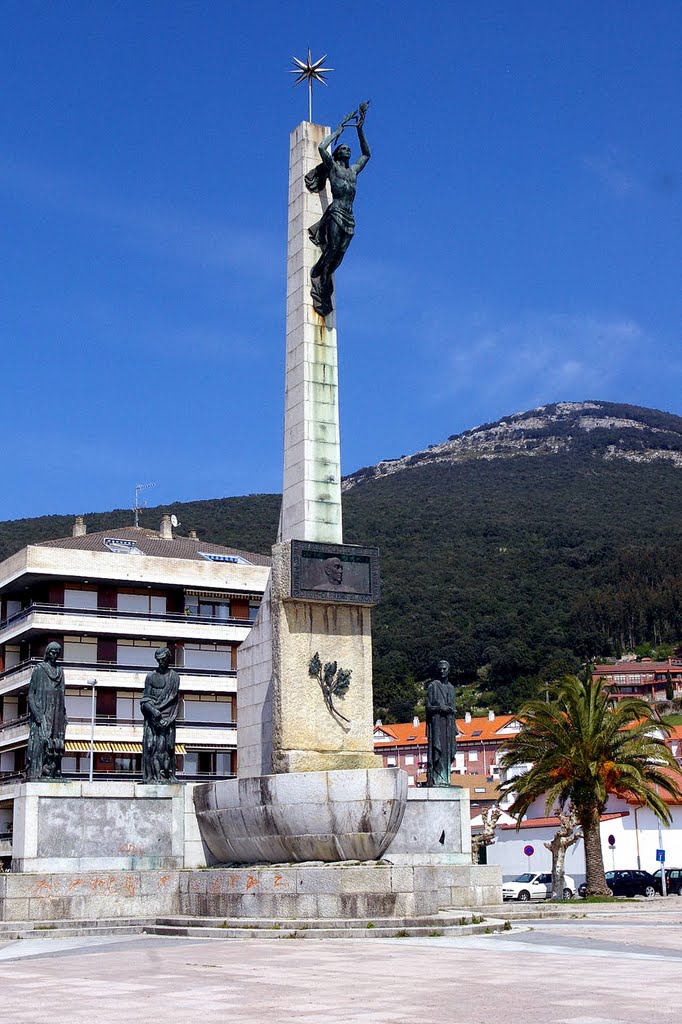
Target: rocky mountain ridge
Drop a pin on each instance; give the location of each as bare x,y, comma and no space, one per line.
609,430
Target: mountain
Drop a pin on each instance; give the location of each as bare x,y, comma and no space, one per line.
516,550
604,429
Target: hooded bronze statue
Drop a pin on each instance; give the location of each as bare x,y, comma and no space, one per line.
441,729
47,712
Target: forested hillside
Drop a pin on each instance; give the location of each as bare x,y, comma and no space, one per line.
514,564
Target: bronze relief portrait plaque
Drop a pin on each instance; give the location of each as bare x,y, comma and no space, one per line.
334,572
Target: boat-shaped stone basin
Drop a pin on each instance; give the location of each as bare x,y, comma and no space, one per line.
302,816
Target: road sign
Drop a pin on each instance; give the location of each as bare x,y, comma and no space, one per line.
612,840
529,850
660,856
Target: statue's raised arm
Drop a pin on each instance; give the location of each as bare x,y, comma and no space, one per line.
364,145
334,231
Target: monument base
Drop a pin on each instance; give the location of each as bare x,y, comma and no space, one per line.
102,826
302,816
436,828
115,900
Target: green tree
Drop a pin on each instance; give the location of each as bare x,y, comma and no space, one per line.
581,746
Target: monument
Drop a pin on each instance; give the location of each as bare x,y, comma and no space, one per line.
310,786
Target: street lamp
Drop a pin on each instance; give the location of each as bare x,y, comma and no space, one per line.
92,683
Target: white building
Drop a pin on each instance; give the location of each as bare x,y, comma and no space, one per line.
630,837
110,599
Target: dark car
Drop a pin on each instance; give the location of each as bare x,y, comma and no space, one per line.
673,881
628,883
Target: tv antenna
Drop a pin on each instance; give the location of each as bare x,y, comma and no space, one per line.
137,506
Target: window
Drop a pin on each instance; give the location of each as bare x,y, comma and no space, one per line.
409,759
81,650
390,762
215,609
477,732
210,557
253,610
80,598
121,547
210,656
473,756
138,653
142,602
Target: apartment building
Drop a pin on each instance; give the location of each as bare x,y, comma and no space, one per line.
479,744
647,679
110,599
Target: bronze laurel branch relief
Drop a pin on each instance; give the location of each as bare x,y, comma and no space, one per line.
334,682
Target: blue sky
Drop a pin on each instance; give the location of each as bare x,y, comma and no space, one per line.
518,229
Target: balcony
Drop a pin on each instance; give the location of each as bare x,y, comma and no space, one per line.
109,729
121,677
123,776
56,618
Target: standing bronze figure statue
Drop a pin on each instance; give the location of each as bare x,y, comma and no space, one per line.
47,711
333,232
159,707
441,729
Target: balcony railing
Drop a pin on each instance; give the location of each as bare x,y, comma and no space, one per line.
124,776
114,720
113,666
108,613
10,723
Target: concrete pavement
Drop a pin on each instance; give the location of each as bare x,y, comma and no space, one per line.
620,969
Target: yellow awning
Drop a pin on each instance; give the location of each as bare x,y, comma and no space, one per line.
110,747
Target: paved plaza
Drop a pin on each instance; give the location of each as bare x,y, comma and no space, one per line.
617,968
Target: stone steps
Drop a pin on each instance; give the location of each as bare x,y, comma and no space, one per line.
243,928
354,928
11,930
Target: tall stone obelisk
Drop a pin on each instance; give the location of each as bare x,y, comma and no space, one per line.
285,720
311,499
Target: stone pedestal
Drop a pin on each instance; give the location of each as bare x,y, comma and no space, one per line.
436,828
284,723
97,826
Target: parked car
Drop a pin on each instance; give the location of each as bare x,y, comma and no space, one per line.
535,886
628,883
673,881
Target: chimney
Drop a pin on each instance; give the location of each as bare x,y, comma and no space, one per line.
415,722
166,530
467,717
491,716
79,527
378,723
193,535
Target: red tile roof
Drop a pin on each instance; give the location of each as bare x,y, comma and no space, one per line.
635,668
553,822
405,734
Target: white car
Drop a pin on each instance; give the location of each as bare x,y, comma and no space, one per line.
536,886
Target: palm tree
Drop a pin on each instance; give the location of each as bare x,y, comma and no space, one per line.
581,746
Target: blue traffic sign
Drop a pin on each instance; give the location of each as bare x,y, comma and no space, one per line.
529,850
660,856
